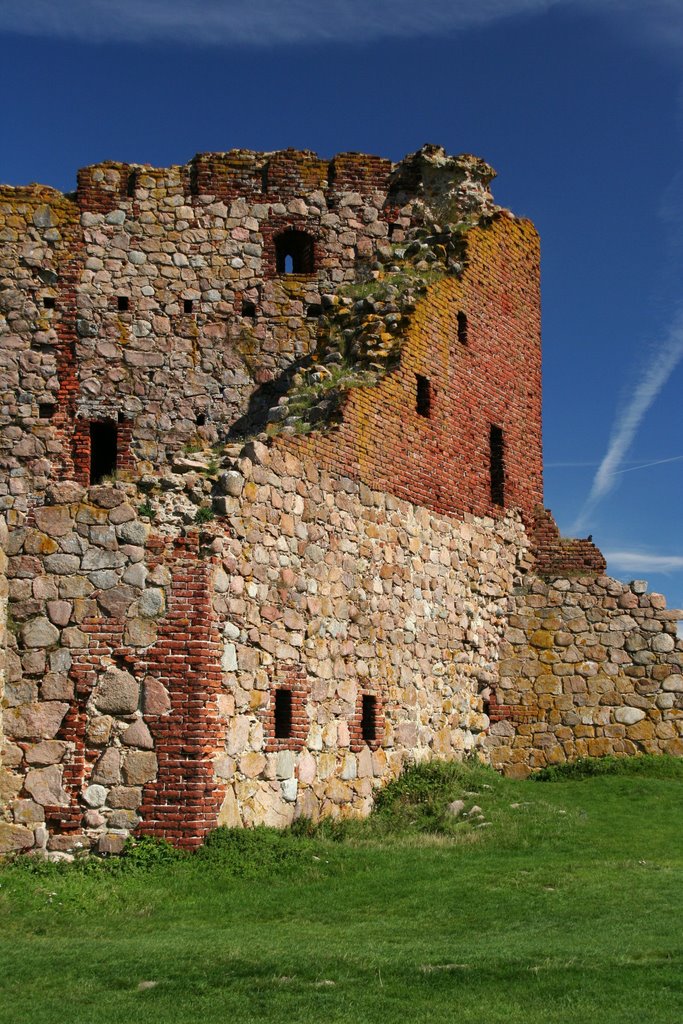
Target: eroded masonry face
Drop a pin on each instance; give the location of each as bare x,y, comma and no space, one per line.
271,491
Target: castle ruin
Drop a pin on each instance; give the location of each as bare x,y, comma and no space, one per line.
272,503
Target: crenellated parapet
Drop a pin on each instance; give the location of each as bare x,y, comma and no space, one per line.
163,307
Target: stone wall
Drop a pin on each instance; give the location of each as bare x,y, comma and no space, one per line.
5,794
589,667
143,668
152,299
83,605
335,590
249,633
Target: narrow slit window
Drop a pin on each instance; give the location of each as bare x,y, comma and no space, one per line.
424,395
497,465
122,303
294,253
103,450
46,410
49,302
368,721
283,714
462,328
188,305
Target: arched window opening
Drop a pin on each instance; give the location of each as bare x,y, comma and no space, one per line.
294,252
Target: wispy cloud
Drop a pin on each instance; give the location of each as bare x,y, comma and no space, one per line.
643,561
254,22
663,362
272,22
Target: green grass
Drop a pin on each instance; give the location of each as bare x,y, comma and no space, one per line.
566,908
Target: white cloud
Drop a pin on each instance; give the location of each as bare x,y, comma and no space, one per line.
259,22
271,22
663,361
642,561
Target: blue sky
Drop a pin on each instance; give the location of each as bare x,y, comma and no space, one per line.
578,104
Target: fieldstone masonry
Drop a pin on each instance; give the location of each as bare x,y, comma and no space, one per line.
589,667
271,483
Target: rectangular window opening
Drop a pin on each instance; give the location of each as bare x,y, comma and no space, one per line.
46,410
368,722
424,396
462,328
188,305
249,309
103,449
283,714
122,303
313,310
49,302
497,465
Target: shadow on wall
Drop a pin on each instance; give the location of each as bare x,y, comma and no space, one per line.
262,400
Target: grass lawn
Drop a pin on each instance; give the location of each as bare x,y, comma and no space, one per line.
566,907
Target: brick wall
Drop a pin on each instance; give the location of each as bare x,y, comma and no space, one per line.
562,556
160,238
183,802
442,461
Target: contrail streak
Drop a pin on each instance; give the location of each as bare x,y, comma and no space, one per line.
646,465
629,468
629,418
